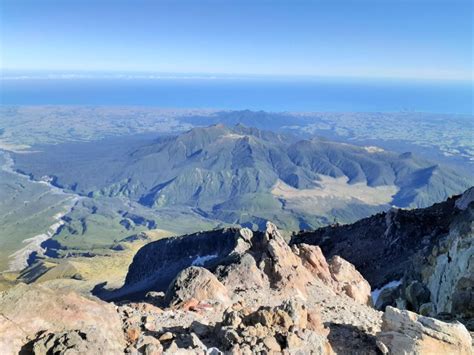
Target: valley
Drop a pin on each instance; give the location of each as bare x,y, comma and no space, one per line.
136,204
236,177
157,171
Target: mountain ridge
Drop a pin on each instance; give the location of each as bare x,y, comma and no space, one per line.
207,168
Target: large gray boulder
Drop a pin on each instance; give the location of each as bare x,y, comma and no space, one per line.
196,283
405,332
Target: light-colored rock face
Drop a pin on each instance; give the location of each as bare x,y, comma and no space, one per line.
245,274
405,332
196,283
349,280
284,268
26,310
297,267
314,260
466,199
450,275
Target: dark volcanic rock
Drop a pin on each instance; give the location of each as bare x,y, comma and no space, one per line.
158,263
430,250
381,247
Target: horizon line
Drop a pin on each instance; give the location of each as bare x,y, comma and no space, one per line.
69,74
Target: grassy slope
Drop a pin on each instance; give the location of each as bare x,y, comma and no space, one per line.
83,273
26,210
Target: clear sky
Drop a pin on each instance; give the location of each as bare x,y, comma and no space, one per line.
368,38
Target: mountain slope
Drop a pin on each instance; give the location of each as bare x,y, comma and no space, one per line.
219,171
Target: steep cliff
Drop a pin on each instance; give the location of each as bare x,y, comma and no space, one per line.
156,264
428,252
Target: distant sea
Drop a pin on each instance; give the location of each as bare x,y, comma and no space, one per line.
269,94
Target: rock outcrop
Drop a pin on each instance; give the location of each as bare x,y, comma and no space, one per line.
349,281
405,332
449,271
288,327
257,260
282,266
259,295
430,250
35,317
158,263
263,296
196,283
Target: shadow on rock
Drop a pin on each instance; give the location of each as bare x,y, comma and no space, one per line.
348,339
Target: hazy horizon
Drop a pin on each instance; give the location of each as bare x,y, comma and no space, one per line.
368,39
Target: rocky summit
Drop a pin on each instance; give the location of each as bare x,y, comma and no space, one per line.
421,260
248,293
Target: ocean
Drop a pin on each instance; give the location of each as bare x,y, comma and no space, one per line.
269,94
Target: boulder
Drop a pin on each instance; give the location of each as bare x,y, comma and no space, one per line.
349,280
243,274
405,332
27,311
196,283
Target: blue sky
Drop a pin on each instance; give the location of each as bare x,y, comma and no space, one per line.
379,38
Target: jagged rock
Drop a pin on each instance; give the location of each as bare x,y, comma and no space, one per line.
70,342
256,260
196,283
314,260
416,294
264,271
463,202
449,273
156,264
26,310
381,246
243,274
340,275
288,327
244,241
283,267
433,246
405,332
349,280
